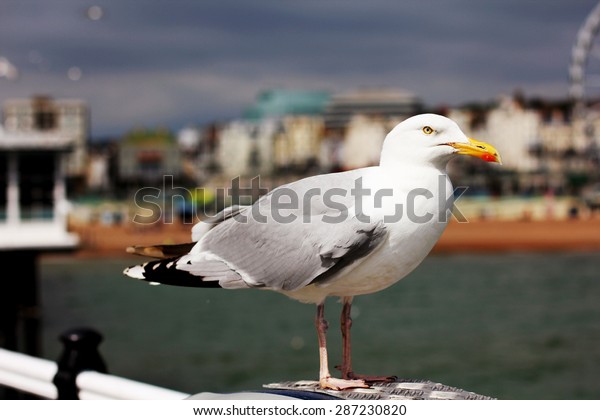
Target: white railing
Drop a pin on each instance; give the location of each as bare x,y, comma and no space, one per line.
34,376
27,373
95,385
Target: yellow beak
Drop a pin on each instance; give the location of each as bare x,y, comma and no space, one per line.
478,149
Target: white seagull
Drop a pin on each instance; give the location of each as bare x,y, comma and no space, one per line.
334,235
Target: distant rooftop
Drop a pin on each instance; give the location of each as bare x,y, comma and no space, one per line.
43,100
375,96
381,102
280,102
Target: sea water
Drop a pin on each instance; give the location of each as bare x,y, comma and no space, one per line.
510,326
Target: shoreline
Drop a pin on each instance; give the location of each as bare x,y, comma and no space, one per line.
98,241
521,236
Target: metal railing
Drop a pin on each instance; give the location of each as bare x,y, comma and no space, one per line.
28,374
79,373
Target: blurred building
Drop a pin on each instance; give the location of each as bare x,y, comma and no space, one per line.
146,156
245,148
515,132
569,149
280,132
331,153
188,139
363,141
386,104
297,145
543,147
33,195
60,117
98,172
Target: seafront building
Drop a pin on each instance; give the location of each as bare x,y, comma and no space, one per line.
61,117
297,144
362,141
544,147
146,156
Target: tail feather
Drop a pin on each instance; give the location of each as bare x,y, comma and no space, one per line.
165,271
161,251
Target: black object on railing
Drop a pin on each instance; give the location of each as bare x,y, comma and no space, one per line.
80,353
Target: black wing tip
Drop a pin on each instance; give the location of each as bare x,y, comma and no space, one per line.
165,272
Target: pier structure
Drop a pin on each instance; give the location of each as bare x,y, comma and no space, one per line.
33,220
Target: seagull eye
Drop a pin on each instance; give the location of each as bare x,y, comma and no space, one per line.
427,130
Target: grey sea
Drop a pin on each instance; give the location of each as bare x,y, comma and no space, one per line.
509,326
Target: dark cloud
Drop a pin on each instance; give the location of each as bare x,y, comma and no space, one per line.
179,61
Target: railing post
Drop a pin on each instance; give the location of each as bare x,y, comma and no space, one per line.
80,353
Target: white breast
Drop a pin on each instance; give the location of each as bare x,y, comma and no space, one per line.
411,233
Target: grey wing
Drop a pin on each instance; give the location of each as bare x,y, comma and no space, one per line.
287,250
201,228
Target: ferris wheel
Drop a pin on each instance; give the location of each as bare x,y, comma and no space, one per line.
584,70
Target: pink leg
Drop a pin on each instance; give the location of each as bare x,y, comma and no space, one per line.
325,379
346,325
346,368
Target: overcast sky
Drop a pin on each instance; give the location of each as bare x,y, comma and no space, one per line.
177,62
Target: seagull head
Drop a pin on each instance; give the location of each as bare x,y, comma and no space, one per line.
431,139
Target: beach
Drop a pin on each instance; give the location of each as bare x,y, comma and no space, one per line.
474,236
507,236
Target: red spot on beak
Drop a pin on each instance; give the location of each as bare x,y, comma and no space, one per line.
488,157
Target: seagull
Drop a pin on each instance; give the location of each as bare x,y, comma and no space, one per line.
341,234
